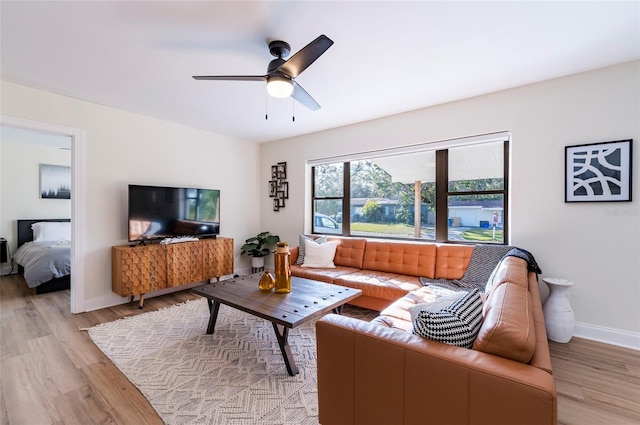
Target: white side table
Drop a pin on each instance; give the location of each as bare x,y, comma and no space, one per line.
559,319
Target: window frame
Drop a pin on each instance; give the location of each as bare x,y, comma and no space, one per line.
442,192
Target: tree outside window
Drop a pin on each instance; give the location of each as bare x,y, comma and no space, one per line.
398,196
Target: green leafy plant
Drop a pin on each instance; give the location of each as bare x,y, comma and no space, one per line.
258,246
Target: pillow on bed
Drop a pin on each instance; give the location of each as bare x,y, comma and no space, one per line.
51,231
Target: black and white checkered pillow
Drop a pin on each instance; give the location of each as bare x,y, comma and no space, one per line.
457,324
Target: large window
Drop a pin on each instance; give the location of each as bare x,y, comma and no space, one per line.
450,194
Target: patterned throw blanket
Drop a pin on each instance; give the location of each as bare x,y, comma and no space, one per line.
483,260
532,265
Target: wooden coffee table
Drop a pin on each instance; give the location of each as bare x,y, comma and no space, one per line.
308,299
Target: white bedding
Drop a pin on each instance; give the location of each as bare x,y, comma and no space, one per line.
43,261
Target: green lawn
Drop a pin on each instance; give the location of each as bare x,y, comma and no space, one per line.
481,235
394,229
475,234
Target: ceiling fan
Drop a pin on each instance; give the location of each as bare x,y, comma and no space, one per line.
281,73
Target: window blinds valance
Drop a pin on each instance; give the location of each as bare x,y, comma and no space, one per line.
420,147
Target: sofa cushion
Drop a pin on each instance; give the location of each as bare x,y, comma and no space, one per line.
323,275
435,305
412,259
301,247
397,315
350,252
319,255
508,328
452,261
387,286
509,269
457,324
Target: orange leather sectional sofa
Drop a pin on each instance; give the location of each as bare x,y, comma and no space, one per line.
386,271
380,373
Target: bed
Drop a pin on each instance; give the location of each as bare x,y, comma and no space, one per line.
45,264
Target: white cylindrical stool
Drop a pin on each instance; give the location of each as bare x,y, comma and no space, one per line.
559,319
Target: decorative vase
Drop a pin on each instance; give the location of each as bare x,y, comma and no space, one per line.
267,282
283,268
559,319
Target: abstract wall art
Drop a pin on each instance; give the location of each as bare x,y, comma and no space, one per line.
598,172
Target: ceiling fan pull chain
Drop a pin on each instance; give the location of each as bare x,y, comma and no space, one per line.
293,110
266,107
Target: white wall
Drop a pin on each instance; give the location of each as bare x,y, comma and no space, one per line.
123,148
596,245
20,186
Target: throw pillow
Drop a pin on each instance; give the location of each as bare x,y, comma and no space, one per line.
302,238
319,255
437,305
457,324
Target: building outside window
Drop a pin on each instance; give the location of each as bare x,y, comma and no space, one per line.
447,194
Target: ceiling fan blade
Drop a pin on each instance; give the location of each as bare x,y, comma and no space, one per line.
303,97
306,56
231,77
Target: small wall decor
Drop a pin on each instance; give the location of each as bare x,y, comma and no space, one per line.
598,172
278,185
55,181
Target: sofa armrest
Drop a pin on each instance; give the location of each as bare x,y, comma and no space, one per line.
293,254
371,374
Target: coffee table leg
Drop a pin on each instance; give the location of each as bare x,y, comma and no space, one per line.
285,349
214,307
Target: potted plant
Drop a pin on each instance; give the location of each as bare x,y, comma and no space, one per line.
257,247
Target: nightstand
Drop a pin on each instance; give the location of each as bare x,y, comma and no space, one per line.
3,250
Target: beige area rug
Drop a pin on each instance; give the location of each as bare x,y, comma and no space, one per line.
236,376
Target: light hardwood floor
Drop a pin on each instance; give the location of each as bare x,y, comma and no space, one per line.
51,373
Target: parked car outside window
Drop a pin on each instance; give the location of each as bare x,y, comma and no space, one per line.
325,224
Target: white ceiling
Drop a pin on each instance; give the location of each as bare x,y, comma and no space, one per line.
388,57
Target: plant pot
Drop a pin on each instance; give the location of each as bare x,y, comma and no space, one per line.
257,262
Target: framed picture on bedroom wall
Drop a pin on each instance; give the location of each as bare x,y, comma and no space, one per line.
55,181
598,172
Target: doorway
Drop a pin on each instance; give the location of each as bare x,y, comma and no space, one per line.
77,137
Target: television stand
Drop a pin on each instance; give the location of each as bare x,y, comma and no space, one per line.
142,269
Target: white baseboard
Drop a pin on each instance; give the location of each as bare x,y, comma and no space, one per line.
104,302
608,335
6,269
115,299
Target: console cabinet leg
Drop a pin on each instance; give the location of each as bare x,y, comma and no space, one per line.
141,301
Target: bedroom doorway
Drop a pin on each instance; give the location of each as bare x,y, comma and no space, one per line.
77,140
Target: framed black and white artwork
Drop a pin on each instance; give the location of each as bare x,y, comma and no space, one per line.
55,181
598,172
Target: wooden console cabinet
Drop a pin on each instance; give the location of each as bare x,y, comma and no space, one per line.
141,269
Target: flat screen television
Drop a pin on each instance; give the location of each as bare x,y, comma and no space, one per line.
157,212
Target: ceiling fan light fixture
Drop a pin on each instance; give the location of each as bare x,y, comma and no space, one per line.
278,86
